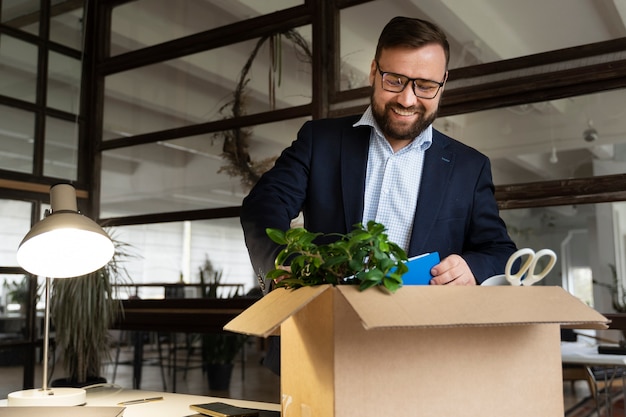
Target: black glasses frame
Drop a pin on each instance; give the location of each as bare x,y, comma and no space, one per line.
408,80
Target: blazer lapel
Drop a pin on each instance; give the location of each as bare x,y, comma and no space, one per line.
354,149
438,164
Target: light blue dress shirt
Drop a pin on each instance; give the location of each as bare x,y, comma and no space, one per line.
393,181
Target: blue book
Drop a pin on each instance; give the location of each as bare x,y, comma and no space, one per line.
419,269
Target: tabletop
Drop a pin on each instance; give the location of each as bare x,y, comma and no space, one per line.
171,404
587,354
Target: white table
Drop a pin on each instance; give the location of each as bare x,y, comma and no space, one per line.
172,405
586,354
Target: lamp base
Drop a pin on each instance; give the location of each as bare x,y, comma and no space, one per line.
48,398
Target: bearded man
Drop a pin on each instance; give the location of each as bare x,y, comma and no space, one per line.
431,192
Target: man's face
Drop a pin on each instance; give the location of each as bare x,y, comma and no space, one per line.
403,116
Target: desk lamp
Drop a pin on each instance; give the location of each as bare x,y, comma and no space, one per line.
64,244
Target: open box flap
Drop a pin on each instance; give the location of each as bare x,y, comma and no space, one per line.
264,317
449,306
428,306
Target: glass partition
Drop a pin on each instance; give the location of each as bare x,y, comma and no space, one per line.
576,137
15,220
63,82
21,14
166,254
142,23
200,88
17,135
66,26
189,173
18,68
478,32
61,149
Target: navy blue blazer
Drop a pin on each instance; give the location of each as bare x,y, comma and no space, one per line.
323,173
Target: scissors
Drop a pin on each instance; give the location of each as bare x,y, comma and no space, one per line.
526,275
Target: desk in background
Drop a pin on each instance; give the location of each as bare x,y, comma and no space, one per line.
585,354
177,290
185,315
191,315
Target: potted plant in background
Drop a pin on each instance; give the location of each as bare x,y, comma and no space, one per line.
82,311
16,298
17,293
219,350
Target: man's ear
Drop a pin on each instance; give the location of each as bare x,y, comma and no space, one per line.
373,71
445,80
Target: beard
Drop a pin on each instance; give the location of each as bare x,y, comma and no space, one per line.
395,131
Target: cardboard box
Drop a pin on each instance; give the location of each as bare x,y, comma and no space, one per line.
423,351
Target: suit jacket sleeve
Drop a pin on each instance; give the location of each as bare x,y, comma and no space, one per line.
321,170
273,202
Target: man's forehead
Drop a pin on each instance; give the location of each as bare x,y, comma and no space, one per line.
430,55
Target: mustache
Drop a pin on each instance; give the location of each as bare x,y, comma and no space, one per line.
417,108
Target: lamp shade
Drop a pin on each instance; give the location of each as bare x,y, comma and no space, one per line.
65,243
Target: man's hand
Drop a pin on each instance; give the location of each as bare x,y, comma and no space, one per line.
452,270
284,268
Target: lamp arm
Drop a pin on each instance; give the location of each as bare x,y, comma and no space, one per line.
46,336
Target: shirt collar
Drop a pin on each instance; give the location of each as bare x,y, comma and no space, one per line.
422,142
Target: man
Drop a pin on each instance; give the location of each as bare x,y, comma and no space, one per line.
431,192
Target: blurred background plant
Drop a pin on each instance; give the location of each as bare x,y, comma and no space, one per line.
618,304
219,350
16,293
83,309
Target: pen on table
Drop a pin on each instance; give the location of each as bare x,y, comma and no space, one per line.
141,400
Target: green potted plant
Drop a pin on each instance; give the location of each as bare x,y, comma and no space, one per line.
17,292
219,350
82,311
363,257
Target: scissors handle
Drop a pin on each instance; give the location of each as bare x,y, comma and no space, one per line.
526,274
516,279
533,277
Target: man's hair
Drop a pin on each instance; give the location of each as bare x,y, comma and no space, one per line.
413,33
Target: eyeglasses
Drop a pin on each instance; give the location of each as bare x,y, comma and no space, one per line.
396,83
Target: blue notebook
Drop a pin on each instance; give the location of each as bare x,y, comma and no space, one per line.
419,269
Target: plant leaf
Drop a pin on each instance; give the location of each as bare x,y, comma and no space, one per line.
276,235
364,256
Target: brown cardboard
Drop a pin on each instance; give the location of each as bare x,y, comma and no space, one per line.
423,351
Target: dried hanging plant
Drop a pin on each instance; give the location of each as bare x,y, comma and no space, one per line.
235,147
